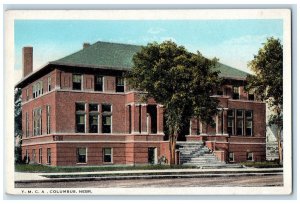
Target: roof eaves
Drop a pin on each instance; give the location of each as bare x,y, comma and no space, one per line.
90,66
31,74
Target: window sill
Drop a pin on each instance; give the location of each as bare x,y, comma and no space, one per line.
81,163
108,163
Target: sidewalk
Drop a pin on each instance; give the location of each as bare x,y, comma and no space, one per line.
136,174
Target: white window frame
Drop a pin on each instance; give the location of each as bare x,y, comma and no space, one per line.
49,83
35,133
232,157
48,119
111,155
86,155
108,114
252,156
48,156
40,155
26,125
33,156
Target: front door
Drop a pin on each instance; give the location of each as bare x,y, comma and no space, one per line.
152,155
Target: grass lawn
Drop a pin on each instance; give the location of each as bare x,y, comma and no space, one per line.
266,164
50,169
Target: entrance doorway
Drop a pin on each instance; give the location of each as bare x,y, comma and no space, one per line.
152,155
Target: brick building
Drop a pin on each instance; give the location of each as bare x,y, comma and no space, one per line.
78,111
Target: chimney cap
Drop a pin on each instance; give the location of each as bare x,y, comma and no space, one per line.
86,45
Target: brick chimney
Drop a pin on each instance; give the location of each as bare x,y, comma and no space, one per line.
27,60
86,45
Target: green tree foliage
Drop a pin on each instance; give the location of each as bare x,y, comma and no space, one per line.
267,82
18,124
179,80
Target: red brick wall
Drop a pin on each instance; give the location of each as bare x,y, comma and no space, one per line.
40,102
65,106
44,153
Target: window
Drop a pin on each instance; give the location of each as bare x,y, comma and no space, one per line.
26,125
106,118
33,156
80,106
106,108
239,122
220,92
249,156
98,83
37,89
80,117
76,81
93,118
251,95
81,155
37,121
129,118
230,122
48,156
49,83
27,159
120,84
48,119
107,155
27,94
249,122
40,155
93,107
80,123
231,157
236,92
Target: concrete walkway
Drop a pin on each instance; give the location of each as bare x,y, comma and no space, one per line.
40,177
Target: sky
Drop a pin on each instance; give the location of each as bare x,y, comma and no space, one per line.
233,42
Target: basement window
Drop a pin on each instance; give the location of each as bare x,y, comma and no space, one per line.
107,155
249,156
40,155
48,156
81,155
231,157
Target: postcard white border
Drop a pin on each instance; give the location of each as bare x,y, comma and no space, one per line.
284,14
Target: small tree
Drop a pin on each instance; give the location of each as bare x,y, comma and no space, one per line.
267,83
179,80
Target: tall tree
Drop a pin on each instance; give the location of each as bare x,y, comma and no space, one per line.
179,80
267,83
18,124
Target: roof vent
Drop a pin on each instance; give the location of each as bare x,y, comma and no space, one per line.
86,45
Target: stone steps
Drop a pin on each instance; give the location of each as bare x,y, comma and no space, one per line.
196,154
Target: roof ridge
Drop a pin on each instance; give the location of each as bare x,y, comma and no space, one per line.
119,43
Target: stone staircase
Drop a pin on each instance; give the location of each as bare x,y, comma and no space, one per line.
196,154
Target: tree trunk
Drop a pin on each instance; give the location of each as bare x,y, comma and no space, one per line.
173,139
278,137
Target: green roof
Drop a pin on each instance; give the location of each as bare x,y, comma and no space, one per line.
102,54
119,56
230,72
